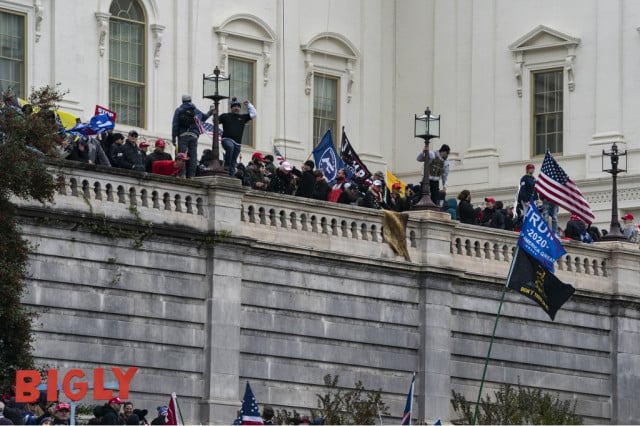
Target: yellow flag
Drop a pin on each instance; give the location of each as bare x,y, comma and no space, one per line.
391,179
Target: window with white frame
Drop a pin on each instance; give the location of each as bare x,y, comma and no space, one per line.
12,52
127,81
325,106
547,111
242,72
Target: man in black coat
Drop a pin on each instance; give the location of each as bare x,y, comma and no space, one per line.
307,180
112,412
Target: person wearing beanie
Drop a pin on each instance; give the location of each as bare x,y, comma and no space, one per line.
232,130
185,131
306,180
526,192
438,171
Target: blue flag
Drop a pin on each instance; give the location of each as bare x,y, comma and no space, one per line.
326,157
406,417
250,414
101,123
537,239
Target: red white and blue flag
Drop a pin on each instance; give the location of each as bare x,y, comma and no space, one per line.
406,417
556,186
279,157
249,412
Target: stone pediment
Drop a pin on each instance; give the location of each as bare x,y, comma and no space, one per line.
247,26
331,44
543,37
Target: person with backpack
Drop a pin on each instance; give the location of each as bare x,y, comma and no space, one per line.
185,130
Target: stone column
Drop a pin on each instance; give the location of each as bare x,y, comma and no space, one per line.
223,304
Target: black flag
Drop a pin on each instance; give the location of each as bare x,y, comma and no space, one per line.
533,280
351,160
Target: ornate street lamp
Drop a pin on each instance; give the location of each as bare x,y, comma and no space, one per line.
427,127
216,88
614,228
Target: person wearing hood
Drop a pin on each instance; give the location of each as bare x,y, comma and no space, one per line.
185,132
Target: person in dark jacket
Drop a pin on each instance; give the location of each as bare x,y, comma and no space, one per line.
157,154
320,187
282,181
491,217
111,411
186,135
575,227
306,181
129,156
526,191
373,197
466,212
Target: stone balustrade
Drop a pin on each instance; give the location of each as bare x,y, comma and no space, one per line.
312,225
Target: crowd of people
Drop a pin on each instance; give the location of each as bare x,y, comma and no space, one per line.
41,412
494,214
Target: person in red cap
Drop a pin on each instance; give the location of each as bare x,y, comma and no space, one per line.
629,229
575,228
157,154
526,192
491,217
170,167
62,415
395,200
112,412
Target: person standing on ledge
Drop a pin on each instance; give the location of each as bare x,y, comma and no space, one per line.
185,130
232,129
438,171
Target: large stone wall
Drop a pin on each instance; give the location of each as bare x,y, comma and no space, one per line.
233,285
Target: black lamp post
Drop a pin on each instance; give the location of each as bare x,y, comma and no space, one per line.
216,88
614,229
427,127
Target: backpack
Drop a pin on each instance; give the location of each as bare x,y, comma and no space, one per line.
186,117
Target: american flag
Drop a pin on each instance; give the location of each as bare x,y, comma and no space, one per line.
206,128
250,413
556,186
406,417
279,157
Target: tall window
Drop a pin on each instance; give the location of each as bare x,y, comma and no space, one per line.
548,111
325,107
12,53
242,72
127,62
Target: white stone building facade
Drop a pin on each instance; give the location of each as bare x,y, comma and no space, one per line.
366,65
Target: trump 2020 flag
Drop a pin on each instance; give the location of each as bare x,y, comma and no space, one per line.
555,185
406,416
529,277
327,158
352,161
537,239
249,412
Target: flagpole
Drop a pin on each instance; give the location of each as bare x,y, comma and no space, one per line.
495,326
179,410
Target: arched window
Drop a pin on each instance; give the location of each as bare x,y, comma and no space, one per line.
127,82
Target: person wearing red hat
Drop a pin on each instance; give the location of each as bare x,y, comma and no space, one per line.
170,167
62,415
395,201
157,154
629,229
491,217
112,412
526,191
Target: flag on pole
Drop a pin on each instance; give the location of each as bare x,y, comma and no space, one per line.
537,239
279,157
352,161
529,277
173,414
406,417
249,412
326,157
391,179
555,185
